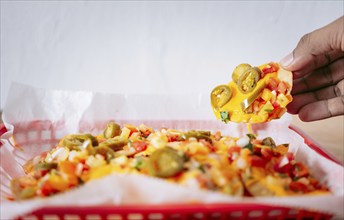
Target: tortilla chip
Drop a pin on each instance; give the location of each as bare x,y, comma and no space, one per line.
267,101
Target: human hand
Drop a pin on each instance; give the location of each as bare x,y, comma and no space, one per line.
317,64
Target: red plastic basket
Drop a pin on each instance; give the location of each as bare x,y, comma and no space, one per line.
176,211
164,211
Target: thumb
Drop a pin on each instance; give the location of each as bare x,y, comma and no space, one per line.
316,49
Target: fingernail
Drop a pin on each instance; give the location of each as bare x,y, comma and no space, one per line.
286,61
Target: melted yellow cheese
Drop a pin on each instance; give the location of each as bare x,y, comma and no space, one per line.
233,107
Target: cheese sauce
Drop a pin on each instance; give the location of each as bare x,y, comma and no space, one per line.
233,107
255,111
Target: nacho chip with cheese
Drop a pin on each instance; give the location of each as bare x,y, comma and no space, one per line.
256,94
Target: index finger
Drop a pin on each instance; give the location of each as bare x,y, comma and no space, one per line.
328,75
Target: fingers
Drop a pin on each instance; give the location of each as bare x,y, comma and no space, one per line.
310,62
317,49
320,104
326,76
317,62
322,109
301,100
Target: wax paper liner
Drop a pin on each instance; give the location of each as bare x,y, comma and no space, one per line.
78,111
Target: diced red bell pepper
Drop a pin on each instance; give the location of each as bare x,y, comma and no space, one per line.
276,105
132,128
282,87
272,84
284,165
290,156
287,169
139,146
173,137
298,187
270,68
232,151
85,167
145,132
46,189
256,161
257,151
314,182
266,153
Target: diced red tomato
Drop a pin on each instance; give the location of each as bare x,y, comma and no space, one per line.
276,112
132,128
314,182
276,105
287,169
298,187
300,170
266,153
290,156
235,150
145,130
282,87
46,189
270,68
85,167
257,151
284,165
139,146
272,84
173,137
257,161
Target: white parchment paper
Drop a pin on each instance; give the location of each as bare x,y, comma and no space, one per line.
70,112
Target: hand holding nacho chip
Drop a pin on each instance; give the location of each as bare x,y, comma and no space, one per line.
256,94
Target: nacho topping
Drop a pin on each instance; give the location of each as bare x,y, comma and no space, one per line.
220,96
258,94
239,70
248,80
246,166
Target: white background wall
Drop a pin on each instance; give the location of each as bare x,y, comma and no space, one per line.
147,47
